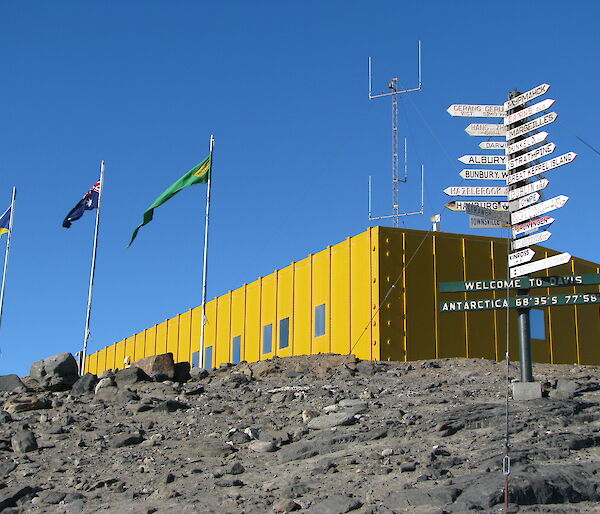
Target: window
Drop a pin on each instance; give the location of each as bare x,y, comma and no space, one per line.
195,361
537,324
320,320
208,357
284,333
268,338
236,350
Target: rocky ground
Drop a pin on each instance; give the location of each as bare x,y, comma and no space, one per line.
320,434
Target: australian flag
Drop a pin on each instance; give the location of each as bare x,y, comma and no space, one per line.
87,203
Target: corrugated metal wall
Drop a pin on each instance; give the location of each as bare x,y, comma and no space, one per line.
365,316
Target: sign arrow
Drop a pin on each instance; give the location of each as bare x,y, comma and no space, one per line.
536,210
527,189
459,205
484,212
526,143
532,225
542,167
479,222
477,111
527,96
496,160
538,153
528,111
524,201
534,239
492,145
531,125
476,191
520,257
485,129
472,174
532,267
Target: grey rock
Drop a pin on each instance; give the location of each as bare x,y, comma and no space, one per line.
104,382
5,417
566,386
6,467
262,446
213,449
236,469
12,383
347,402
24,441
182,372
10,495
56,373
198,373
130,376
335,504
159,367
85,384
170,406
410,498
126,440
335,419
286,505
52,497
229,482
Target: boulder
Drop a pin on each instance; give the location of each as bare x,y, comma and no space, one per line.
12,383
159,367
182,372
56,373
16,405
130,376
85,384
24,441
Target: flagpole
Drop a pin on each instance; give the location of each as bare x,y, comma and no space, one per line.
205,263
10,226
92,273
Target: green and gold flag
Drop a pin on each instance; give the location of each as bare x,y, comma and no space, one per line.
199,174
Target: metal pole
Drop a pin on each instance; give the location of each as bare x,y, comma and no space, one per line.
88,313
523,313
6,255
205,263
369,197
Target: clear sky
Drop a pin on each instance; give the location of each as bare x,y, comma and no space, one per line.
283,87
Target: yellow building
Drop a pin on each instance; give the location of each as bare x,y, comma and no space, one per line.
375,295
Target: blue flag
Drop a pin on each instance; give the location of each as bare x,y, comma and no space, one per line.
87,203
5,221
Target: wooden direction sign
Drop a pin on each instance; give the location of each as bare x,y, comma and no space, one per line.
492,145
484,212
532,226
531,125
486,129
479,222
460,205
527,96
542,167
527,142
526,158
532,267
534,239
496,160
527,189
528,111
537,210
472,174
477,111
476,190
520,283
524,201
520,257
517,302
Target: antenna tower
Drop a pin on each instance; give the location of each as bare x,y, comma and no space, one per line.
396,180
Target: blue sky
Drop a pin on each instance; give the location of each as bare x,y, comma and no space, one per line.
283,86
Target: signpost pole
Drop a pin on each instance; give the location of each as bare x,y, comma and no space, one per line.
522,313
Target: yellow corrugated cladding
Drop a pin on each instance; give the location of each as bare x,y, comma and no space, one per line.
375,295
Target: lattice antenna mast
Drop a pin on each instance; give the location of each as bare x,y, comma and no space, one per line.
393,86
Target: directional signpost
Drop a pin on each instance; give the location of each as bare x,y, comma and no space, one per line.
524,213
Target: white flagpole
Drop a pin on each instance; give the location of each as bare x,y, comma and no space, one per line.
92,273
10,226
205,264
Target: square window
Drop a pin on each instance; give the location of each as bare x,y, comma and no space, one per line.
208,357
268,338
537,324
236,350
284,333
320,320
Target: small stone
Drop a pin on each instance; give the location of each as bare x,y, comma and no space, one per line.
85,384
407,467
236,469
331,420
24,441
126,440
262,446
198,373
169,478
102,383
307,415
130,376
285,506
